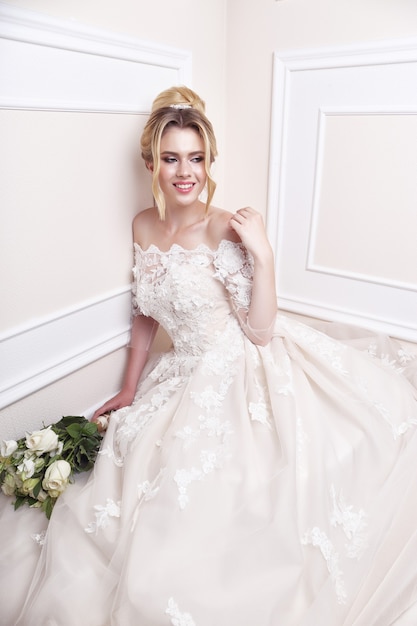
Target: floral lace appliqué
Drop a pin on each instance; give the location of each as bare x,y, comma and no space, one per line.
353,523
103,515
402,428
210,429
178,618
397,430
132,423
234,268
324,346
213,432
214,426
259,412
319,539
184,478
39,538
109,452
147,490
189,435
404,357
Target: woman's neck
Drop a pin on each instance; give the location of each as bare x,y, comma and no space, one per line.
184,219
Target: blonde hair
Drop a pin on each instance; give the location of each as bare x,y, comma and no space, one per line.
182,107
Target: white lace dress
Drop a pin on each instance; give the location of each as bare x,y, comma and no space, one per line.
245,486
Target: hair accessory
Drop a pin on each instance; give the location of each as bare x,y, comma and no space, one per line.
180,106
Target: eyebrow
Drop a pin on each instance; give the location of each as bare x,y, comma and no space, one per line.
197,152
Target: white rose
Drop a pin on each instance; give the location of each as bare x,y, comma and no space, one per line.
8,447
39,463
58,450
56,478
16,478
41,441
26,468
29,485
8,487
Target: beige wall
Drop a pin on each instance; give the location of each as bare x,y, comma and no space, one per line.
232,44
257,28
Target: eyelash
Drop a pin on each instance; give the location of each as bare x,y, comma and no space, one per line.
198,159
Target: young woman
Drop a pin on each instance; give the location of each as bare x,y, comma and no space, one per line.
258,473
178,146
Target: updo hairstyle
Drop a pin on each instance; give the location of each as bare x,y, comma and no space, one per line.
181,107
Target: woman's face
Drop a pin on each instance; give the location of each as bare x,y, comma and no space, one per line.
182,175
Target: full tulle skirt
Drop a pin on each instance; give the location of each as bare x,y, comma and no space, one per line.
253,486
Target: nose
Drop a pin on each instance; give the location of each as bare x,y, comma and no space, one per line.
183,168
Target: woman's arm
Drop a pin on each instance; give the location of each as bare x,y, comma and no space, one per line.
142,334
248,224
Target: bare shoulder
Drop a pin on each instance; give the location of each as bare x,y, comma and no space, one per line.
219,226
144,225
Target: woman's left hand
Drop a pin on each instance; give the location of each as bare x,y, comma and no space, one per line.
249,225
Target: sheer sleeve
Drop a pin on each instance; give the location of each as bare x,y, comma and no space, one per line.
143,327
234,268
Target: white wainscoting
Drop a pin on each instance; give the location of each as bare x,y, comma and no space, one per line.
50,64
342,195
46,350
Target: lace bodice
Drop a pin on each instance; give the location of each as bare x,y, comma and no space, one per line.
192,293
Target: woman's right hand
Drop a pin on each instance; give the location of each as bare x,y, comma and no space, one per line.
123,398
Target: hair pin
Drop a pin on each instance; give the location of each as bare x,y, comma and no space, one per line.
180,106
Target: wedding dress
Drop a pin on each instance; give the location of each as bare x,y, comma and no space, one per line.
247,485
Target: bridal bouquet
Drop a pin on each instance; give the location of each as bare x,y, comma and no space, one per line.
37,468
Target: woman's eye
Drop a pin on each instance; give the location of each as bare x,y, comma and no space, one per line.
172,159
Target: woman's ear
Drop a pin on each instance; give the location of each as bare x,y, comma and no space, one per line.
149,166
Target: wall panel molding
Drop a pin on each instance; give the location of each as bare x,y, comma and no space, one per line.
52,64
45,350
311,87
49,64
348,112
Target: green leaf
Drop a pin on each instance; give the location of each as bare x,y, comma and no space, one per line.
70,419
19,502
37,489
87,444
48,505
74,430
89,429
60,428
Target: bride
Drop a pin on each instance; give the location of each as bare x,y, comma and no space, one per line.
261,472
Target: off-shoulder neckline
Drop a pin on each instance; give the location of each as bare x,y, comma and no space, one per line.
176,247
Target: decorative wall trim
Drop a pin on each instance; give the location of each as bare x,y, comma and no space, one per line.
50,64
374,323
311,265
53,64
308,85
38,354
